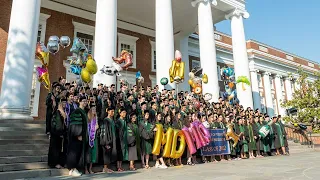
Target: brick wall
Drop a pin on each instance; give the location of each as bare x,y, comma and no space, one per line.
4,28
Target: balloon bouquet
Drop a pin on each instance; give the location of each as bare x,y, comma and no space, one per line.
42,53
196,78
228,77
123,62
82,63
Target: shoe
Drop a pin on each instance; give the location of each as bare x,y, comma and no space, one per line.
75,173
163,166
157,166
70,172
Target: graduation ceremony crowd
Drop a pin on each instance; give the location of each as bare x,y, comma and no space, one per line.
100,125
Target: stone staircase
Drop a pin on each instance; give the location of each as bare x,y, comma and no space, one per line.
24,149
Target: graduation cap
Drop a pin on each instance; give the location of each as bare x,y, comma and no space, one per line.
143,103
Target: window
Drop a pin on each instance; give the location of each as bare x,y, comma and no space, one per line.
289,57
219,73
282,85
271,83
153,56
262,48
217,37
39,33
128,43
310,64
35,91
195,63
87,40
262,101
259,80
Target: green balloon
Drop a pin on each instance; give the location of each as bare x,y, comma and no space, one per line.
164,81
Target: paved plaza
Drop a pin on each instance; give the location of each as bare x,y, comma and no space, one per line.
294,167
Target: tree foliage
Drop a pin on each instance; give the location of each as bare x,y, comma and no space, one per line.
306,99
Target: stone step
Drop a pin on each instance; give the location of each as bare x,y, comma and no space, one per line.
39,173
23,125
5,153
23,166
21,133
23,159
23,141
16,121
14,136
33,129
25,146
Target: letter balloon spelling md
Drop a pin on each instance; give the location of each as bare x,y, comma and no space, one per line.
169,140
189,140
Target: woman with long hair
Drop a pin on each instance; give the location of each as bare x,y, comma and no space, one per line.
93,144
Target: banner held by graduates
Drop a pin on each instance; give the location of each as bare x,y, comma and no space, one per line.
218,144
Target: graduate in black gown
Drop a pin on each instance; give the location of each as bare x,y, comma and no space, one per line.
121,139
56,155
108,140
51,103
78,138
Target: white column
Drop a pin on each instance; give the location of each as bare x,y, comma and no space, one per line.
240,57
288,88
207,47
105,39
19,60
164,41
267,93
183,46
255,89
277,81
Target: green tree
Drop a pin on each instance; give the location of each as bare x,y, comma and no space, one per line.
305,99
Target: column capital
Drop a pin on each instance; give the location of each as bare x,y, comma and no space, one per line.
194,3
238,13
266,73
278,76
254,70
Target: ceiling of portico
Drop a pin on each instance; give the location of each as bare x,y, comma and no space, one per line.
142,12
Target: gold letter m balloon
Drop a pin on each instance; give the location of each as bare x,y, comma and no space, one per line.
169,140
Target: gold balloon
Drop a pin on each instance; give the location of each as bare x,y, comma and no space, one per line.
176,71
231,134
45,80
205,78
91,66
157,140
85,76
198,89
167,141
174,153
190,82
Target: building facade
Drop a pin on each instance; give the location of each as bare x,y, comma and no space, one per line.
108,26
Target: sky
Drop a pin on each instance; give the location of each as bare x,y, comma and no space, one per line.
289,25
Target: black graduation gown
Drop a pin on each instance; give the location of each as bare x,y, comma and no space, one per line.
107,141
55,154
